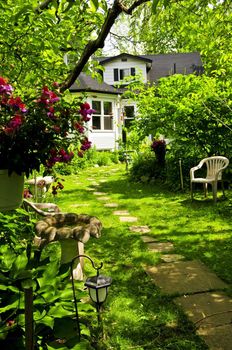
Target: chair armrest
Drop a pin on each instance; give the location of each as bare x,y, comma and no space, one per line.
192,170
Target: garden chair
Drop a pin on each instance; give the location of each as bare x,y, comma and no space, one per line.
214,167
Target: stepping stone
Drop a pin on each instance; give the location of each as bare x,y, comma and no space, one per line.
171,257
103,198
111,205
160,247
148,239
217,338
80,205
102,181
141,229
99,193
94,183
121,212
91,189
211,313
184,277
90,179
201,305
128,218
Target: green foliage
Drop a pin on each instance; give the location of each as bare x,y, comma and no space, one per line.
22,266
91,158
193,112
136,315
188,26
33,41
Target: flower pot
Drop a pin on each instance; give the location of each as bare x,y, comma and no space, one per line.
11,190
160,153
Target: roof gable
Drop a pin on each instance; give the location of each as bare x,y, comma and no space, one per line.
104,60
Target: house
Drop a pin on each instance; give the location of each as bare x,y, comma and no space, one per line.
112,112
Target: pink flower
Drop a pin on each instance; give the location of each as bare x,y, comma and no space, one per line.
86,144
5,88
8,131
17,104
80,154
55,84
57,129
16,121
79,127
85,105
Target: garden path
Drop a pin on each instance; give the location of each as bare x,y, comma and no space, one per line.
194,288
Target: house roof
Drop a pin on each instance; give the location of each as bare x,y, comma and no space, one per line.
86,83
167,64
160,65
104,60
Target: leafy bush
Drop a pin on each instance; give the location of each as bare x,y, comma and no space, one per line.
22,266
146,168
91,158
194,113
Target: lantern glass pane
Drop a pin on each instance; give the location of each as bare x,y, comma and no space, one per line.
102,293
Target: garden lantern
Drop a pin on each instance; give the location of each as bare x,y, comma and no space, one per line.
97,287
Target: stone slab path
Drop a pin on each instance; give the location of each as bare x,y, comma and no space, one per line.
184,277
140,229
195,289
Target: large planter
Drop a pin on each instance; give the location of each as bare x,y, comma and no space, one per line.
11,190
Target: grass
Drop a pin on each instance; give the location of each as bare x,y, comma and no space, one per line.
137,315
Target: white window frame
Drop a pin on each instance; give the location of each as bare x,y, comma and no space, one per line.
102,116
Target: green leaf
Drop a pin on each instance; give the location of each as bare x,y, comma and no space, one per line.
166,3
154,5
19,266
94,4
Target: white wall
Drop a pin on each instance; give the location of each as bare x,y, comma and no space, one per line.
108,73
106,139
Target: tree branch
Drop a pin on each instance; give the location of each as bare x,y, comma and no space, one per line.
94,45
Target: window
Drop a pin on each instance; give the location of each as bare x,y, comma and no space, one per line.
102,118
129,115
120,74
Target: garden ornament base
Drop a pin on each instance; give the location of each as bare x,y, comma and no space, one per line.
72,231
40,185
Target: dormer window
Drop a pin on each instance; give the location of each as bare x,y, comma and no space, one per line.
120,74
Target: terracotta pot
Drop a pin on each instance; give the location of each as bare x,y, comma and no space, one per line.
11,190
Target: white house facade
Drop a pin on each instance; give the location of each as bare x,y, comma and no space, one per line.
112,112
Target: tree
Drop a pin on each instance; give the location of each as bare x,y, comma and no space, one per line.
35,37
189,25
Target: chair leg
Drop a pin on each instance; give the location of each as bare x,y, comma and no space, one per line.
223,188
191,190
206,189
214,188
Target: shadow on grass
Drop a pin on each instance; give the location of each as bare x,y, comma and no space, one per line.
139,315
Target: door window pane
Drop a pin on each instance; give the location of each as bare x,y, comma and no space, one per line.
96,105
96,122
107,108
108,123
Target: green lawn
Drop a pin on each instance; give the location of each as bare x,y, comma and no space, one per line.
136,315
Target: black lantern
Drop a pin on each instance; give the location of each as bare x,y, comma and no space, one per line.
97,286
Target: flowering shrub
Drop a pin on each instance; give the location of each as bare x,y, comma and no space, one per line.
159,147
41,131
158,144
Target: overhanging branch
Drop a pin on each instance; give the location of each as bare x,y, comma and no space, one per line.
94,45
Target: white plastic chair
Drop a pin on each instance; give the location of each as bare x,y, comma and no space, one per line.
215,165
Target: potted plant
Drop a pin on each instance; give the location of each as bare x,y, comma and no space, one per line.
37,133
159,147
